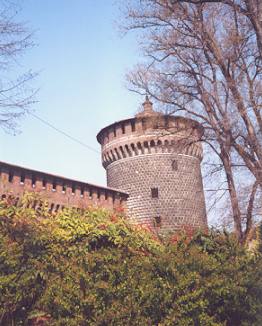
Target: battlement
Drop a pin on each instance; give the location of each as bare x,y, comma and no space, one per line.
59,191
156,159
148,134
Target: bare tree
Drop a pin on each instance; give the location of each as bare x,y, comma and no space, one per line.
251,9
203,62
16,94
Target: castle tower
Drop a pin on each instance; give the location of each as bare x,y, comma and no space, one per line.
156,158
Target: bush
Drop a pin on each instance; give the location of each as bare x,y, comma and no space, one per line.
93,268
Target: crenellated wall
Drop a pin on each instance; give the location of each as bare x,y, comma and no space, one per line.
149,135
59,191
156,158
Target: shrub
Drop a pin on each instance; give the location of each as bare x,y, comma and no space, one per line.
93,268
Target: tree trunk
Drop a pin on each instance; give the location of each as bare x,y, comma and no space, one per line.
225,156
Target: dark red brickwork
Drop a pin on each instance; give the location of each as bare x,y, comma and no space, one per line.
156,160
58,191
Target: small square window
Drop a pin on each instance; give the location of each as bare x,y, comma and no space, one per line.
154,192
157,221
174,165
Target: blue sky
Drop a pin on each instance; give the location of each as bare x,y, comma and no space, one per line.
82,60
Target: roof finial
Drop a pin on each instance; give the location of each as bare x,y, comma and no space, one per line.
148,106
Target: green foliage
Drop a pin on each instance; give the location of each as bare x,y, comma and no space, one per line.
93,268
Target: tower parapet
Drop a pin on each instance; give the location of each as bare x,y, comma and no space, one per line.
155,158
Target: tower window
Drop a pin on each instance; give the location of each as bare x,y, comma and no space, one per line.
123,129
157,221
154,192
174,165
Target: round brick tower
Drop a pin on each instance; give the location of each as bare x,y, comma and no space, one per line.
155,158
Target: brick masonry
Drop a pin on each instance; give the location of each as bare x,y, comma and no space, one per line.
153,151
60,192
180,198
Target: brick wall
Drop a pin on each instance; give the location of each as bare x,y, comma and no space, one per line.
59,191
161,152
180,199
